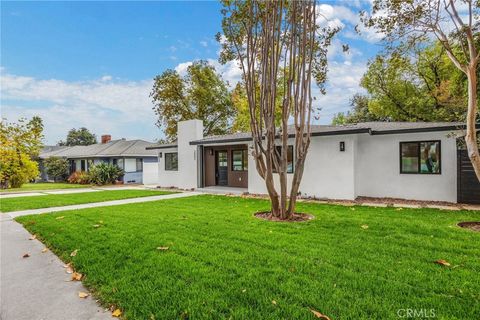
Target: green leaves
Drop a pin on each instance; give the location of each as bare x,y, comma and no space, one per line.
199,94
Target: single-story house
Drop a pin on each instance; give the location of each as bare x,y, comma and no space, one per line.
407,160
130,155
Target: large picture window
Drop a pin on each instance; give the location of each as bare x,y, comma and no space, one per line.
171,161
289,158
420,157
240,160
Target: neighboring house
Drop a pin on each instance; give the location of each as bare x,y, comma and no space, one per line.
132,156
376,159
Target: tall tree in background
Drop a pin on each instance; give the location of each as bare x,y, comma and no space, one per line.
20,144
359,112
420,84
200,94
79,137
414,21
266,37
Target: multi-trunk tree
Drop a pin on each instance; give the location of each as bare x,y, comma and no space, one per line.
455,24
281,48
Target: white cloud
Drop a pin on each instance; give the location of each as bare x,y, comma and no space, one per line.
121,108
343,82
345,18
204,43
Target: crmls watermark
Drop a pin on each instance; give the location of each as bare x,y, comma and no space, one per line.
416,313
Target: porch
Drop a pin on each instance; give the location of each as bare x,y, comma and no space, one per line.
222,190
225,167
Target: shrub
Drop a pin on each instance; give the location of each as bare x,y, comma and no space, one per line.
104,173
57,168
79,177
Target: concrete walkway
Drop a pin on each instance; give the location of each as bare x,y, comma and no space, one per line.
7,195
38,287
14,214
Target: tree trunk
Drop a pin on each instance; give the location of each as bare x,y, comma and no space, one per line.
471,135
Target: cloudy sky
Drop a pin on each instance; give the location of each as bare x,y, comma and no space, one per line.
91,64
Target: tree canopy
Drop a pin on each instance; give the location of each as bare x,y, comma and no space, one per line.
79,137
200,94
20,144
420,84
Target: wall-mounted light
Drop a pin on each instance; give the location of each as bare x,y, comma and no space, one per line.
211,152
159,154
342,146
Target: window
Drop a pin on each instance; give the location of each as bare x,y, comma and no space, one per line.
171,161
420,157
240,160
139,164
83,165
289,158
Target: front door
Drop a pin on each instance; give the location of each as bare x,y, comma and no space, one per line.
221,170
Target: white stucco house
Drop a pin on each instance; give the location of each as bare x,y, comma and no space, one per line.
419,161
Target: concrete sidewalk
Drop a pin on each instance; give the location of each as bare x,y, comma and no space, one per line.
14,214
6,195
38,287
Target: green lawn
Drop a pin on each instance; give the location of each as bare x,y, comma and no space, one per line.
45,186
222,263
56,200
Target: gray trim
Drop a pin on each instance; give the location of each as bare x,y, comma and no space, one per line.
343,132
165,146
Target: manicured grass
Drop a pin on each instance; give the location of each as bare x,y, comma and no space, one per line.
56,200
222,263
45,186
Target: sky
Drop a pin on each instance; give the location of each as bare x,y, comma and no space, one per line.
92,64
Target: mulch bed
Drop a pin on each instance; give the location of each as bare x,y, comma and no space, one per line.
472,225
297,217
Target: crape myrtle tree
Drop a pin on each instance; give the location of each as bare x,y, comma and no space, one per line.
455,24
272,40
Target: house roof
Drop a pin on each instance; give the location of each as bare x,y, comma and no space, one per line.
373,128
114,148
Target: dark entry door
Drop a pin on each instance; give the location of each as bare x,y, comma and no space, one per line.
468,185
221,168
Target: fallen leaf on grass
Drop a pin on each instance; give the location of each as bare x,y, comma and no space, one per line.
26,255
69,270
44,250
398,209
74,253
319,315
83,295
96,226
33,237
117,313
364,226
77,276
443,263
274,302
244,290
61,217
162,248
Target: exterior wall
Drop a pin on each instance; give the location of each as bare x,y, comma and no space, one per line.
189,130
378,169
150,170
328,173
167,178
370,167
235,178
